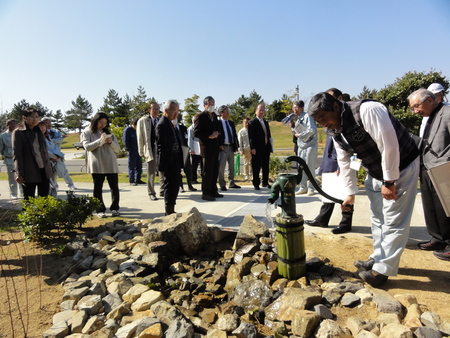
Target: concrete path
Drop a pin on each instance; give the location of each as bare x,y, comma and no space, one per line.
229,211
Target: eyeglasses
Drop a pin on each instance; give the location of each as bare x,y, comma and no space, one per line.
417,105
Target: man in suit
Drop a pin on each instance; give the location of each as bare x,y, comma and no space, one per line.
147,146
390,156
228,146
207,130
261,147
131,146
187,167
169,154
435,151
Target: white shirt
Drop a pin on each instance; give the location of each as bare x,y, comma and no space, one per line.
376,122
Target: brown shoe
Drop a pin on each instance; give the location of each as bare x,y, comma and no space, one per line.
432,245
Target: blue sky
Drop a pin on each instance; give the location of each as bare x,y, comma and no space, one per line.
51,50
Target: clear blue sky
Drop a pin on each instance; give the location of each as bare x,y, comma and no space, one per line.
53,50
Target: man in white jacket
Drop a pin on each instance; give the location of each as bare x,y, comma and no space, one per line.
146,145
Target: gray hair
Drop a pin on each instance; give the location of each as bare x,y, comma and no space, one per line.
422,95
322,101
222,109
169,104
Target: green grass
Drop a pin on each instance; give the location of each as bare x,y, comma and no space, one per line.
69,140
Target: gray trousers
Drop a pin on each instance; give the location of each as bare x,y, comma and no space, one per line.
226,156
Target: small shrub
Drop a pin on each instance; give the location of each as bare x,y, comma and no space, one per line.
276,166
45,217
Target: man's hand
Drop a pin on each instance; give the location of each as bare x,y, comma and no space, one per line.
19,179
389,192
349,200
253,151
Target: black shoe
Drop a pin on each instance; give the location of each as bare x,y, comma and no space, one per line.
208,198
366,265
342,229
257,188
267,186
181,190
443,254
314,223
217,195
153,198
234,186
141,182
133,183
431,245
372,279
191,188
194,182
223,188
161,194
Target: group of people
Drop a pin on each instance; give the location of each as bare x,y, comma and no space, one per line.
359,133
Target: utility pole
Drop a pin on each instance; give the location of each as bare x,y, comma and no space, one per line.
296,93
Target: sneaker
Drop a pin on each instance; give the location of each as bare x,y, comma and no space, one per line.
72,187
246,178
432,245
310,192
13,197
443,254
101,215
115,213
301,191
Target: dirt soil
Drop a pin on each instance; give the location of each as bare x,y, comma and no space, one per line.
30,276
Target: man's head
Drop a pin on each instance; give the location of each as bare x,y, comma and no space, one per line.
171,109
245,122
298,107
154,110
438,90
224,112
326,110
422,102
208,104
48,122
336,93
11,125
134,122
260,110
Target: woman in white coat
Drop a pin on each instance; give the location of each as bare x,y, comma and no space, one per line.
101,148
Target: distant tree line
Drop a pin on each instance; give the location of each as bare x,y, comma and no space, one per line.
123,109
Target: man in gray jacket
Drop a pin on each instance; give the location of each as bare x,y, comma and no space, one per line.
435,151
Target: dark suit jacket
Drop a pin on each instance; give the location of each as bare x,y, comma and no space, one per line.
204,126
25,163
234,139
165,140
257,137
436,150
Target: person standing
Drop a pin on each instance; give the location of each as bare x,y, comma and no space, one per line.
57,139
261,147
6,150
229,145
101,148
305,131
330,165
365,132
244,147
435,151
187,168
439,92
206,129
169,154
31,162
134,160
194,150
147,146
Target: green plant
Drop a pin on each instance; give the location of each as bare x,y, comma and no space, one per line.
45,217
276,165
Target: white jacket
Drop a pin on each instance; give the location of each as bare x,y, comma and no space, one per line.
144,138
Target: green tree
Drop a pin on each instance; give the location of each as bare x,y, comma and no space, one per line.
244,106
17,110
79,114
395,95
191,108
58,120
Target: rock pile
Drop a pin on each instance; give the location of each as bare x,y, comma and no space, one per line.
165,278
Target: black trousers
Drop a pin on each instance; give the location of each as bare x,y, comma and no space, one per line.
113,182
210,173
326,210
43,187
196,161
260,162
172,180
438,224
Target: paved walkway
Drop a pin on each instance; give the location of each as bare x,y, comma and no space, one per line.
229,211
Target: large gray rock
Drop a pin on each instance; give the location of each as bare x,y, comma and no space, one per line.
304,323
249,232
386,302
187,231
180,328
